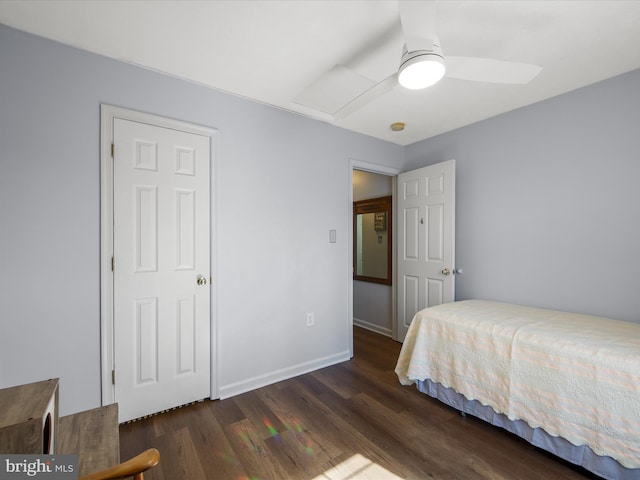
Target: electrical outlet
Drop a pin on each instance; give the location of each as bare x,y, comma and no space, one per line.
310,319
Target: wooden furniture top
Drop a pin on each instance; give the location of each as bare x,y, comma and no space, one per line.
18,404
93,435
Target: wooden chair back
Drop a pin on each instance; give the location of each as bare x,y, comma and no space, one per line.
134,467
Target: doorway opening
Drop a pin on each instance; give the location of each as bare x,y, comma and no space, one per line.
368,308
373,283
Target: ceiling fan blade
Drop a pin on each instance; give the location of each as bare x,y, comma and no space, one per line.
418,18
491,71
368,96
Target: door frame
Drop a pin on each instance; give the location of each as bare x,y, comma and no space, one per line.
107,115
382,170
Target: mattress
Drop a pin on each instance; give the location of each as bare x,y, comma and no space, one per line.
571,376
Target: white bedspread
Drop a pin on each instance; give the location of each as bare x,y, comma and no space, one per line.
575,376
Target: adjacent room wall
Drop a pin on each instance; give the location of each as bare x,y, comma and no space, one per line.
548,201
281,183
372,302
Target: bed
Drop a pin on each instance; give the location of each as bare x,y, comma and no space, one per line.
565,382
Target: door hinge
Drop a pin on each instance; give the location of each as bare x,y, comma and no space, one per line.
113,264
113,150
113,377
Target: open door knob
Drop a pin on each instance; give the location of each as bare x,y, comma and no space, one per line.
445,271
201,280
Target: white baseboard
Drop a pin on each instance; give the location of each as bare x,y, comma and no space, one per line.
244,386
373,327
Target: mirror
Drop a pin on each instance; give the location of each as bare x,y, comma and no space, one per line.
372,240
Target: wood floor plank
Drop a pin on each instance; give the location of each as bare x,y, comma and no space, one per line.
181,459
381,424
344,425
214,450
340,381
350,421
291,408
329,432
253,453
266,423
298,453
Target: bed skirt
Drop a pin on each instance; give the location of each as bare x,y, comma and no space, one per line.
582,456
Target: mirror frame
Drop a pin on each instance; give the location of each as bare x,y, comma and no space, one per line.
373,205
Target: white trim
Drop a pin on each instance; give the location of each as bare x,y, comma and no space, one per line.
215,339
383,170
106,252
107,115
373,167
282,374
373,327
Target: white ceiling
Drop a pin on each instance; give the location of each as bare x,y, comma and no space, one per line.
271,51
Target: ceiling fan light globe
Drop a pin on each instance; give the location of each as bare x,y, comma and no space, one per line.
421,71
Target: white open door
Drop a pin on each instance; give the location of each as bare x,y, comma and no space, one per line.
426,240
161,267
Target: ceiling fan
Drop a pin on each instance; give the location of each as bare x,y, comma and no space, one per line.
421,65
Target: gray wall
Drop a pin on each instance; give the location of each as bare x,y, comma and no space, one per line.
548,201
282,182
547,213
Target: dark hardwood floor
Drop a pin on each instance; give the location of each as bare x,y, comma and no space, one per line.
351,421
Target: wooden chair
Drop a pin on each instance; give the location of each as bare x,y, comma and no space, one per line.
134,467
